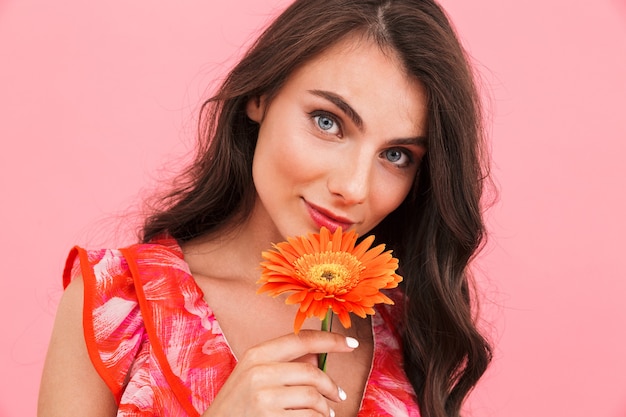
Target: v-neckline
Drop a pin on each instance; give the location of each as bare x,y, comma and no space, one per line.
215,325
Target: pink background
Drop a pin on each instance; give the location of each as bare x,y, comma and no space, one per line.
96,98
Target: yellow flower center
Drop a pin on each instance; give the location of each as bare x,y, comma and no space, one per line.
331,272
328,272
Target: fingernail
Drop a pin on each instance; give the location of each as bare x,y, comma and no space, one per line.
342,394
352,342
332,413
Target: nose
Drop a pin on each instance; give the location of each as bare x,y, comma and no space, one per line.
350,179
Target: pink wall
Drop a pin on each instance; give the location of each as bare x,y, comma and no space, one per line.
96,97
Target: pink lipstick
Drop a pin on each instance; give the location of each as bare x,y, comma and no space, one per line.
324,218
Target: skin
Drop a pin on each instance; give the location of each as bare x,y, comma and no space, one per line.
331,142
338,146
70,386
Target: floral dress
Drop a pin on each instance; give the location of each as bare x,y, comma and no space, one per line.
157,345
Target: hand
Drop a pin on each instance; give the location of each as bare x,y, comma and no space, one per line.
279,377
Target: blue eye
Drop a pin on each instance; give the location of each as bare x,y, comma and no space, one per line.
325,123
393,155
397,157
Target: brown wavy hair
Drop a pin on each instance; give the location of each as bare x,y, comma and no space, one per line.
435,232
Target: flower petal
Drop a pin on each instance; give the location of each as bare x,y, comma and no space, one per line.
329,270
299,320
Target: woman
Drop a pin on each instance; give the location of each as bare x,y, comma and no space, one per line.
354,114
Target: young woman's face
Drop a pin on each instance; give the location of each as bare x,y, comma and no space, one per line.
341,142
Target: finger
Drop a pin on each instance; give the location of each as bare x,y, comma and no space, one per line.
298,374
303,398
312,358
308,413
290,347
284,400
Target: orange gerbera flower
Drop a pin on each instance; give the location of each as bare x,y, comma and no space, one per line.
327,271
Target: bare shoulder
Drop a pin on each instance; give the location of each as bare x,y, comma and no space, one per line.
70,384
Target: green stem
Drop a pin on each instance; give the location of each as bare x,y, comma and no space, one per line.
327,326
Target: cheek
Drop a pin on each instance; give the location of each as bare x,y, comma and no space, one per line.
387,197
283,157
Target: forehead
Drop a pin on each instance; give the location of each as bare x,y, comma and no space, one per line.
373,80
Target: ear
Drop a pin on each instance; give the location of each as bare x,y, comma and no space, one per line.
255,108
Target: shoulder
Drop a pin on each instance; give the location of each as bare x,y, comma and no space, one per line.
105,291
70,384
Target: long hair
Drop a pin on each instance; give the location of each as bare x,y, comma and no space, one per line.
435,232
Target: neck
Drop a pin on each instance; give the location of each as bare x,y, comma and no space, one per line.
234,250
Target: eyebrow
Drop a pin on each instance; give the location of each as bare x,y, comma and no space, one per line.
341,104
421,141
356,119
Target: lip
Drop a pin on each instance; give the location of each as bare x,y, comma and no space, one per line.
322,217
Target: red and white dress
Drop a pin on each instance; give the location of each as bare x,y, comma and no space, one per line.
156,343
